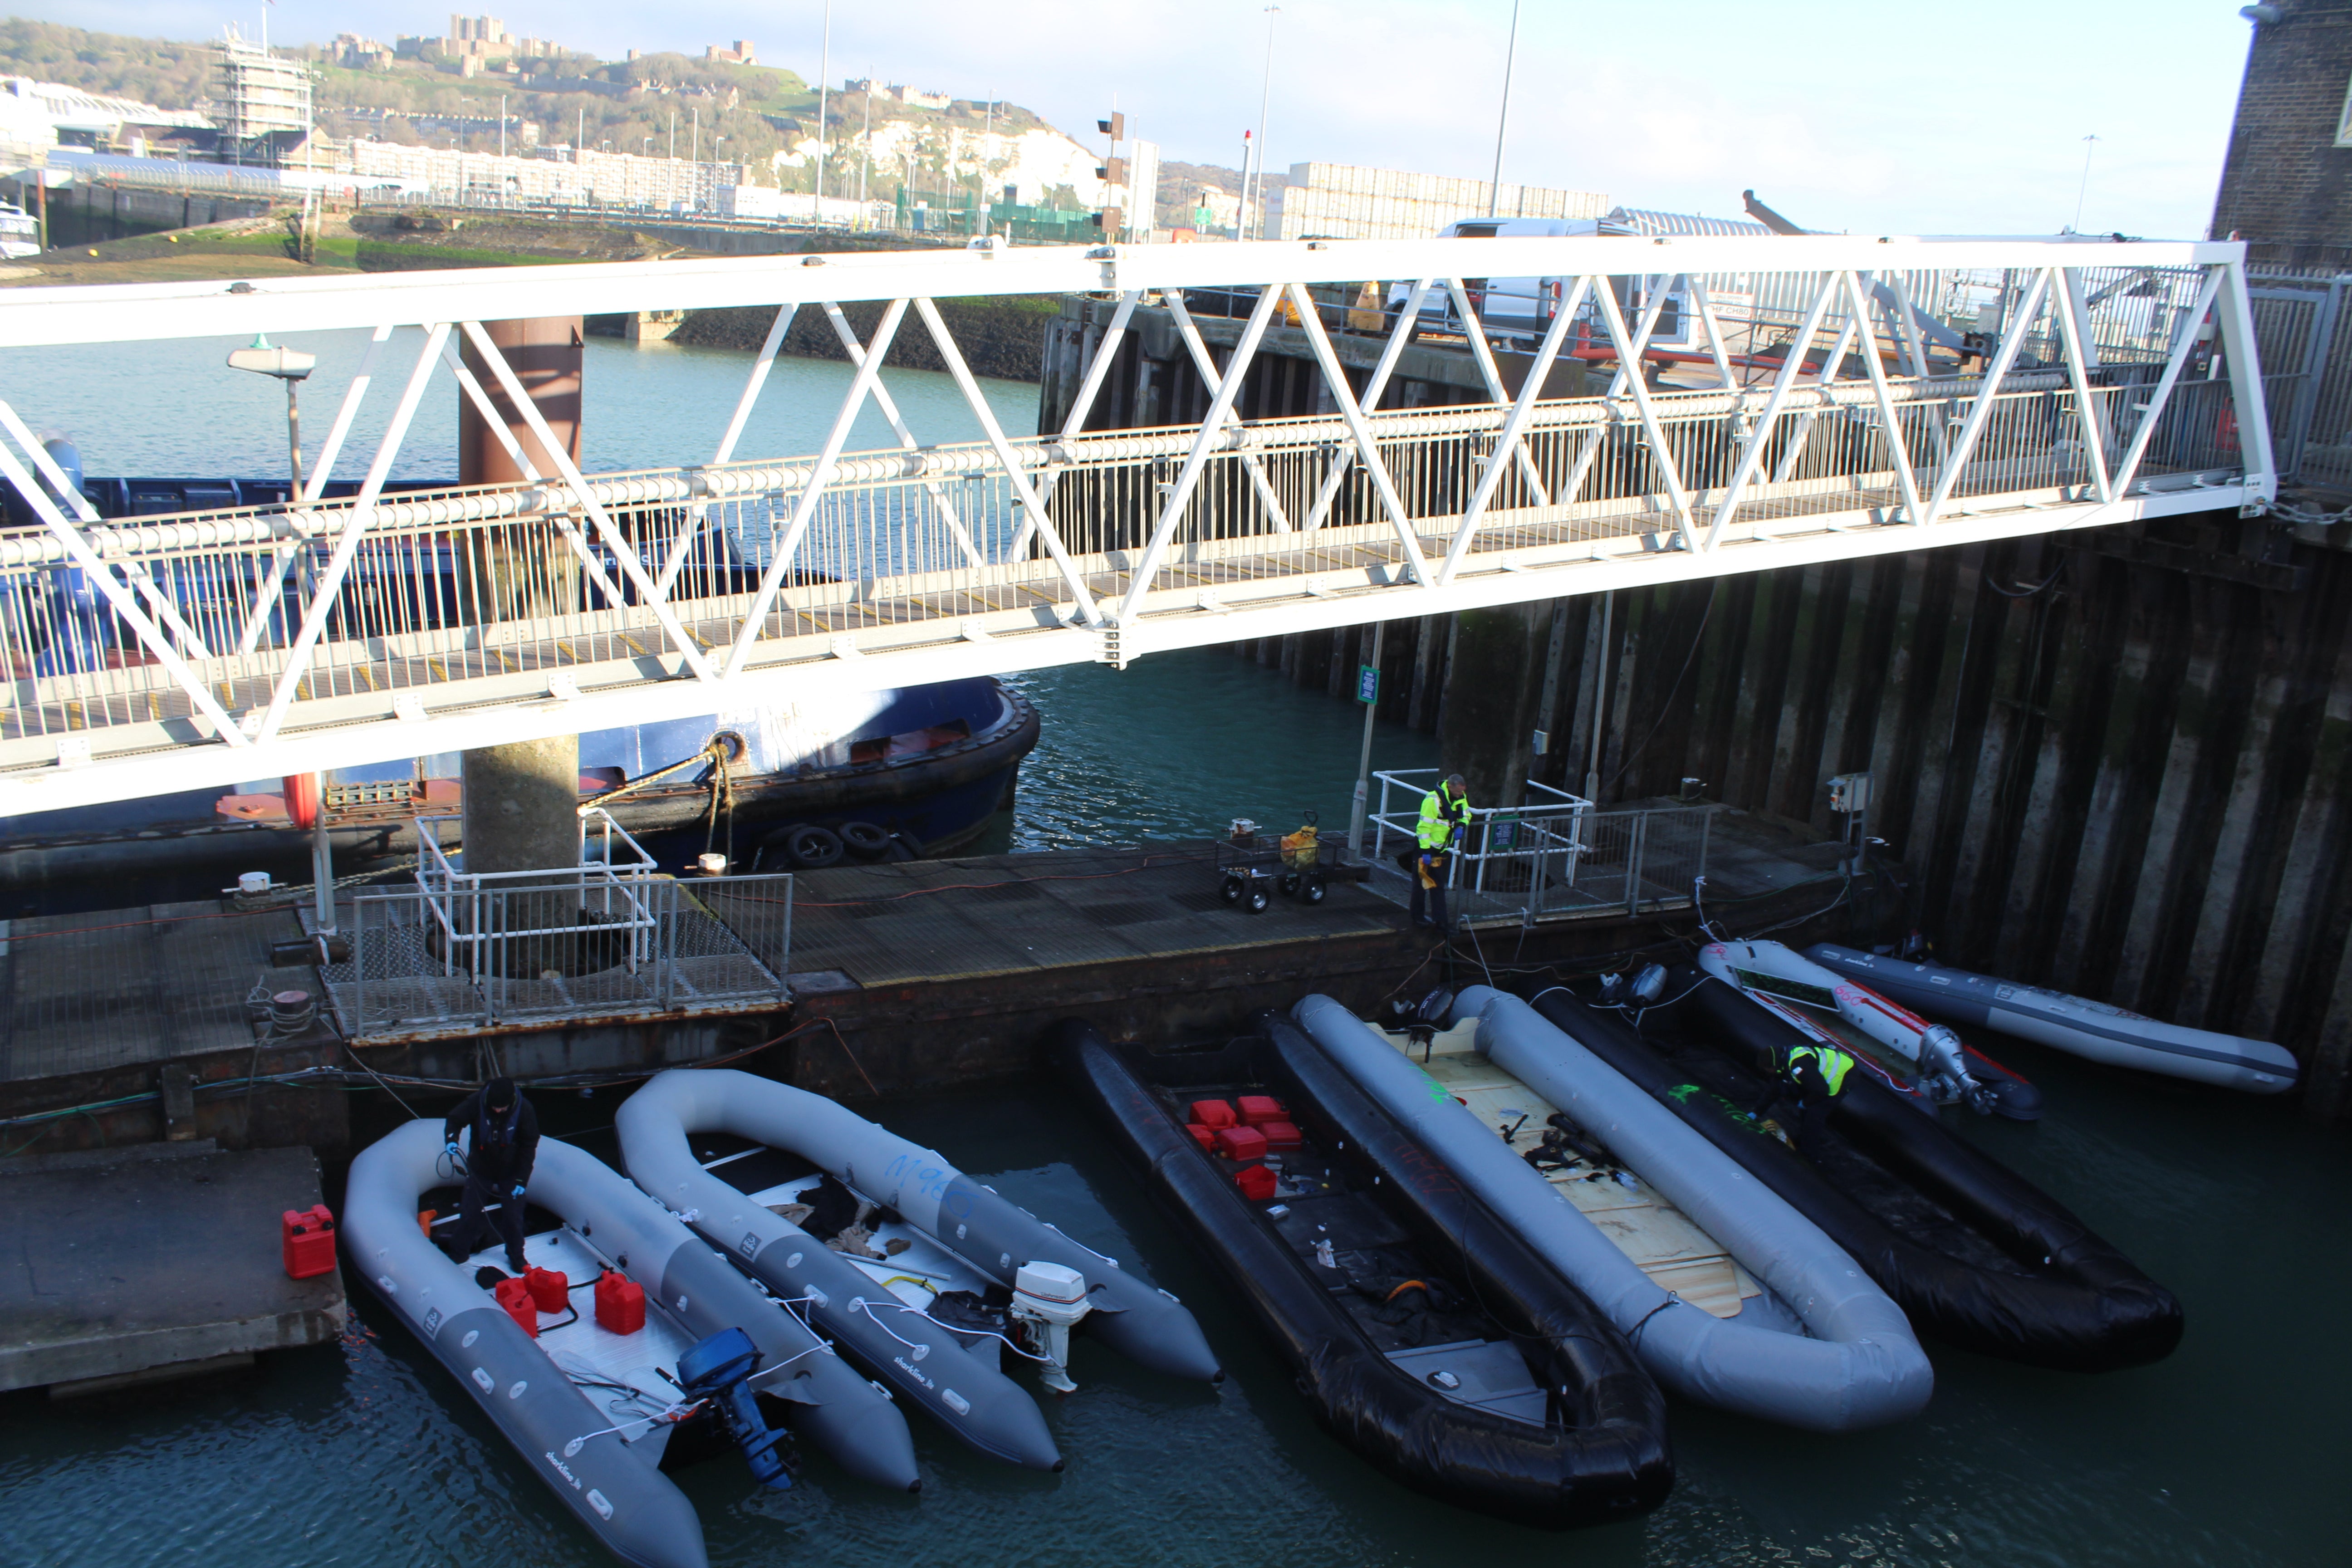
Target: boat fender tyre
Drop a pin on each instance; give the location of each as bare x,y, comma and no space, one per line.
863,840
1230,889
1258,899
808,847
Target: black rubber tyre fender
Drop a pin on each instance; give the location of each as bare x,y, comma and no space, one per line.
808,847
863,840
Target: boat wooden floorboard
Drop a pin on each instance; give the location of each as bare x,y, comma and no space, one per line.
1660,1238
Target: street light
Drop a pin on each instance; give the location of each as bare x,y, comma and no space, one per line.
292,366
1503,121
2090,145
1264,92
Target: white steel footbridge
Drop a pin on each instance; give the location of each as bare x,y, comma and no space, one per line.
1842,396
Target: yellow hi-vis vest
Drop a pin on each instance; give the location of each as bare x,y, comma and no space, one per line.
1441,818
1833,1065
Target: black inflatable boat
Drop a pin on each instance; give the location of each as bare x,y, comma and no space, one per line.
1978,1257
1425,1337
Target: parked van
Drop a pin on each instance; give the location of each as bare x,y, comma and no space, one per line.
1521,309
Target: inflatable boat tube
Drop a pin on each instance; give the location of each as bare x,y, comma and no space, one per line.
2075,1024
1599,1454
921,1361
1847,1362
1948,1070
552,1402
994,1235
1978,1257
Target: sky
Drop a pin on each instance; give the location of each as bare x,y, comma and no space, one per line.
1887,117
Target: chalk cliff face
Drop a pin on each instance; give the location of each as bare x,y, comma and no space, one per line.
1037,160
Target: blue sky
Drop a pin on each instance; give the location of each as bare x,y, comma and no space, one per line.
1888,116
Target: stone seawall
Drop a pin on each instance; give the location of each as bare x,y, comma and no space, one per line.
1005,338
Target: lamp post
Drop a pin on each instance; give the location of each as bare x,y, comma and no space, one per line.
823,81
1264,95
292,366
1502,121
2090,145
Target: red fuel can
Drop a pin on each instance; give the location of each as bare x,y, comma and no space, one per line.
1205,1137
1260,1109
1241,1142
514,1295
620,1303
1212,1113
307,1240
1278,1136
1256,1182
548,1289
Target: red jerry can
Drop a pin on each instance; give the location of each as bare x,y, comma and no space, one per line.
307,1240
549,1290
514,1295
620,1303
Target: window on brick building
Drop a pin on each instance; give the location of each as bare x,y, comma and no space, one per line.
2344,121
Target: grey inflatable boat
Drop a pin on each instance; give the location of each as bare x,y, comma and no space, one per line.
2093,1030
901,1247
1731,1297
589,1410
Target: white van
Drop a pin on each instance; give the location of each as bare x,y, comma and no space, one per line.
1522,308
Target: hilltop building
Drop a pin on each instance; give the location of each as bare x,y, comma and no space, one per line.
742,54
913,97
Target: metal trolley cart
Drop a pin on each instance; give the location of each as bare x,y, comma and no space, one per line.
1252,866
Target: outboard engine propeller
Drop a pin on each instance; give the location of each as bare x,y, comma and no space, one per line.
1048,1299
719,1370
1946,1075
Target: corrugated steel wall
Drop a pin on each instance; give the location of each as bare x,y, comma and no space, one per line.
2115,762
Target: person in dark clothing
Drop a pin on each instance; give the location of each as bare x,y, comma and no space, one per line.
503,1139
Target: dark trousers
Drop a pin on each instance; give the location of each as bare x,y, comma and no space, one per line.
1432,897
1812,1121
472,1223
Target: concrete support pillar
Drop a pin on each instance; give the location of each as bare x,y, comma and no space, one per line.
1485,727
521,800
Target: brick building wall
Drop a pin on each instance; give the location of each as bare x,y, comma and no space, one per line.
2286,187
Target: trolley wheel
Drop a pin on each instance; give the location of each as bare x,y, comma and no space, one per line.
1289,884
1259,898
1312,889
1230,889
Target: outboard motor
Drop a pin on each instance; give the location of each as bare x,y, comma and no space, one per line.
1649,985
1947,1071
719,1370
1048,1299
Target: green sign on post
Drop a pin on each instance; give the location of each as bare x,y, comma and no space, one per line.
1368,684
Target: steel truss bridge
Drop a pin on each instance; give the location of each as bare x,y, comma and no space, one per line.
1826,416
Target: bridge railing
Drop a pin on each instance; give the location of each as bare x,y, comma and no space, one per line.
379,624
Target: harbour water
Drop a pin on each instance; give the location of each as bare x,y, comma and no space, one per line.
2229,1454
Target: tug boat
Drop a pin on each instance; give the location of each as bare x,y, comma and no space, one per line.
1730,1296
1977,1256
1423,1335
1926,1062
627,1348
2075,1024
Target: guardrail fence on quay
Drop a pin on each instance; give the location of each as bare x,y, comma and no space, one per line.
611,938
1556,856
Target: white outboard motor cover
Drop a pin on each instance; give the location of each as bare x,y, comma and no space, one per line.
1051,1297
